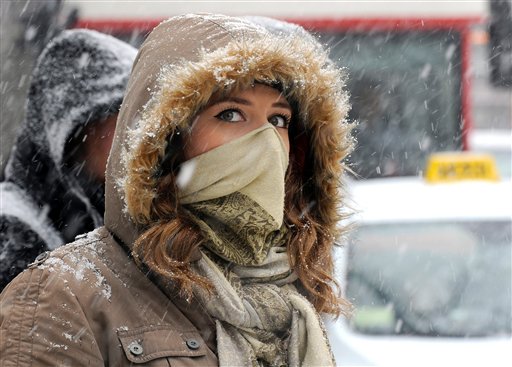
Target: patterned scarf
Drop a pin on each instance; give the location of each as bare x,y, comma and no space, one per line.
235,193
261,319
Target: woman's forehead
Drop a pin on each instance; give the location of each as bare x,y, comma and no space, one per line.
239,94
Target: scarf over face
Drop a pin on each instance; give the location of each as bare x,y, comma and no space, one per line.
260,316
236,195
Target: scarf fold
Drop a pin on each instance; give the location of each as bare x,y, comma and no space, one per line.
259,323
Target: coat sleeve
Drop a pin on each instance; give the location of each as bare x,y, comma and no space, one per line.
42,323
19,246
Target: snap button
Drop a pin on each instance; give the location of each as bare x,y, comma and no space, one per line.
193,344
39,259
135,348
42,256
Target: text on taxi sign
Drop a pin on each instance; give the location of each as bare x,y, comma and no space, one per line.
442,167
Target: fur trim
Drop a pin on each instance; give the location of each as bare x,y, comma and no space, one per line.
307,76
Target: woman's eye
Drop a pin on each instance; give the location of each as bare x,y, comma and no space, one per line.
279,121
230,115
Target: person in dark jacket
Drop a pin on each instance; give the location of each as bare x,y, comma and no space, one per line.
54,179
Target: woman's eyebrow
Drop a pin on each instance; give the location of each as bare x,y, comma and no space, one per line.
246,102
282,105
236,100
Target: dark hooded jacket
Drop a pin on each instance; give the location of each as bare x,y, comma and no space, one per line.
47,199
95,306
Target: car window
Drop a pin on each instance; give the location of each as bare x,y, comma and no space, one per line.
405,96
435,279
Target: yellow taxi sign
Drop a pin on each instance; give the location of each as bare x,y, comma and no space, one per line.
456,166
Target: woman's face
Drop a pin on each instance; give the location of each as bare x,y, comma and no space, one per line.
236,115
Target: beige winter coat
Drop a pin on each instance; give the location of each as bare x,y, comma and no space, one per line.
87,303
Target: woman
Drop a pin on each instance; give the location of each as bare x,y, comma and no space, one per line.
222,204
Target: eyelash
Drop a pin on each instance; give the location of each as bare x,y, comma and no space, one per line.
224,110
287,118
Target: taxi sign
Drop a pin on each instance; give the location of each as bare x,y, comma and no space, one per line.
457,166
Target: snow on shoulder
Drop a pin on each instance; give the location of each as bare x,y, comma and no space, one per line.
73,263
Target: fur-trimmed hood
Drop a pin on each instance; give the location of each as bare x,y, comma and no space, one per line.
178,68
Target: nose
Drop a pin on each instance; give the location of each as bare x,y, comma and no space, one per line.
262,119
257,121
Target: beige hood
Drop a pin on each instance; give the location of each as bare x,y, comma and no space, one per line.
179,66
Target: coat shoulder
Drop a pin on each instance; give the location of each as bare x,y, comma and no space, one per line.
89,302
40,312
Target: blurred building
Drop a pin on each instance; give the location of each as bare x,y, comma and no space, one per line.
25,26
419,72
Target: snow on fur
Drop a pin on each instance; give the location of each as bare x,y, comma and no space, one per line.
182,90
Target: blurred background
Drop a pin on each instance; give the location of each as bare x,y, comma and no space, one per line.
428,268
423,74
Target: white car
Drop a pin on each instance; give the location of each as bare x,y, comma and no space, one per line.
497,142
428,269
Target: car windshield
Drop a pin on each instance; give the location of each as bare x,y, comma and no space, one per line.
405,96
432,279
503,161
